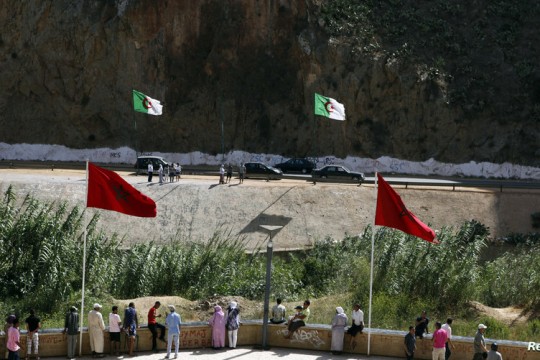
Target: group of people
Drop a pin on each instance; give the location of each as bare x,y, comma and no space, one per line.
172,173
339,323
226,175
12,338
221,322
442,340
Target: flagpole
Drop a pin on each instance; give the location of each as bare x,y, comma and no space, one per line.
84,265
371,270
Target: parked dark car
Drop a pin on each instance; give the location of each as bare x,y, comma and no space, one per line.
337,172
302,165
141,166
262,171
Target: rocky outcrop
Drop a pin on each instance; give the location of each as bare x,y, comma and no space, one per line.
232,75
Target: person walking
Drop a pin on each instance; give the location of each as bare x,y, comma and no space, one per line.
439,341
173,321
150,171
131,323
218,322
448,328
153,325
357,325
33,324
71,328
96,326
338,331
114,331
233,323
410,343
479,344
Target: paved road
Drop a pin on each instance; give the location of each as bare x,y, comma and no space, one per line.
248,353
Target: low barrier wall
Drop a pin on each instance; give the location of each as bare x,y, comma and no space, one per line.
312,337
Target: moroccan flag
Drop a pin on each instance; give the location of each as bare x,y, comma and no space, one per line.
107,190
392,212
329,107
146,104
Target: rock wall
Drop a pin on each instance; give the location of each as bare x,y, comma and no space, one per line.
233,75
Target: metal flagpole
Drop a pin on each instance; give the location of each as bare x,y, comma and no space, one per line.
84,264
371,270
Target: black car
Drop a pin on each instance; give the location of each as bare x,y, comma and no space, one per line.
302,165
141,166
336,172
262,171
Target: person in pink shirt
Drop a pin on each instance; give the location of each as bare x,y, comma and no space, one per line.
13,344
439,342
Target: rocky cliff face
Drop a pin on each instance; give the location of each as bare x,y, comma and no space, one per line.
248,68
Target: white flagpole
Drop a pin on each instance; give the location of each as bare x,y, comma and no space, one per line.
371,270
84,265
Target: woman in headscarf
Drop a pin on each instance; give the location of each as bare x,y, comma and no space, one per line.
338,331
233,323
218,322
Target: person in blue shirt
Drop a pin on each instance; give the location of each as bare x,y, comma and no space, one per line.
172,322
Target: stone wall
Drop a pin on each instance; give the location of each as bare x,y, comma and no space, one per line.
314,337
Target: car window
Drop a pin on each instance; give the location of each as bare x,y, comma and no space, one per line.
341,170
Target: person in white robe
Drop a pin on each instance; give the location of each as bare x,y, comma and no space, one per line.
95,331
338,331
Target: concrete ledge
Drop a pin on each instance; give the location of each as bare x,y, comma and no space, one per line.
312,337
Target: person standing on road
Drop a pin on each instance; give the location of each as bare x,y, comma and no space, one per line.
278,313
172,322
229,173
71,328
160,173
241,172
439,342
479,342
222,174
233,323
446,327
410,343
131,323
357,324
153,325
96,326
33,324
150,171
218,323
338,331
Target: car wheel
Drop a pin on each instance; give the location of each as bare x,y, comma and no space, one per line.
355,178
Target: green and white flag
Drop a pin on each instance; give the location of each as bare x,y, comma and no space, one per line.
146,104
329,107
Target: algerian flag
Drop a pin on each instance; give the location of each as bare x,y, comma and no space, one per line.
146,104
329,107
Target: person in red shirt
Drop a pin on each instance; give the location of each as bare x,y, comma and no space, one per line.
153,325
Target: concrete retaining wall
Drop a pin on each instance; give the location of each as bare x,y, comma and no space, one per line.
313,337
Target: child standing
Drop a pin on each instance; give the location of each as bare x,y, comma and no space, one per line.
114,330
13,343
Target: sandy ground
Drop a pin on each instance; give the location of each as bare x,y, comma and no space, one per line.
197,206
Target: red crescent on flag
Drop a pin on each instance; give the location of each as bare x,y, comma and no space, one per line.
328,106
146,103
